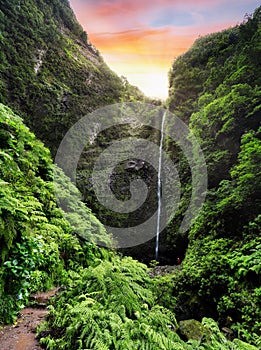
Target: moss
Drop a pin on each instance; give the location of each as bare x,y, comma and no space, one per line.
192,329
49,73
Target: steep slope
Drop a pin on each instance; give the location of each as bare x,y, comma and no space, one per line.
49,71
37,242
216,88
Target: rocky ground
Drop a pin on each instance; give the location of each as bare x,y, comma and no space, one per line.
163,270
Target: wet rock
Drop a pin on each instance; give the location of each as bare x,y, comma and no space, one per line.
192,329
228,333
135,164
163,270
42,299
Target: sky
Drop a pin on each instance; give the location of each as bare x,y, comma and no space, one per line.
140,39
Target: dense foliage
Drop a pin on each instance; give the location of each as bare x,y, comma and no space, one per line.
37,242
108,302
216,88
52,75
112,306
49,72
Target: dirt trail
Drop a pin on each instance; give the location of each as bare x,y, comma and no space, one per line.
21,336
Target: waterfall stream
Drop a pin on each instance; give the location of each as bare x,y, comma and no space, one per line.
159,188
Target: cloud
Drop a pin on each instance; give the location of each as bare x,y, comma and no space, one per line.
152,42
118,15
141,38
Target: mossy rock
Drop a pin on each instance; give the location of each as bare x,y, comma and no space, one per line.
192,329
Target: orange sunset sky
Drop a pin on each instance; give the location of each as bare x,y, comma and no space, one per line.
140,38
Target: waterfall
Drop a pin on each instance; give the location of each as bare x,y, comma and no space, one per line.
159,187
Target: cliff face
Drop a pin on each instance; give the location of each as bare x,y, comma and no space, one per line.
216,89
50,73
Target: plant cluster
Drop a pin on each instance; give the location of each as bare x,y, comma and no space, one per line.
215,88
112,306
38,244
